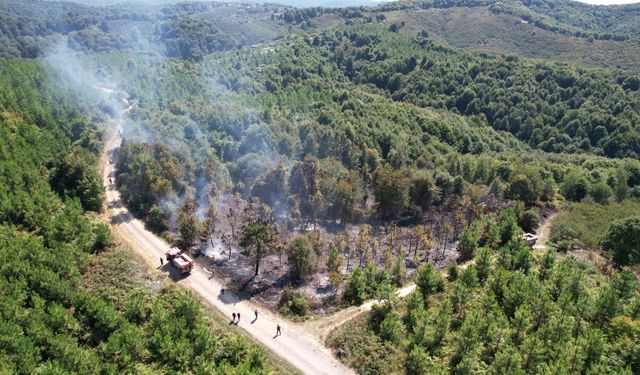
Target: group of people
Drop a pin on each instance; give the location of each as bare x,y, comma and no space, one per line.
237,315
236,320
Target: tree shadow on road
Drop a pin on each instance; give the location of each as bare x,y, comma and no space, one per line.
173,273
122,217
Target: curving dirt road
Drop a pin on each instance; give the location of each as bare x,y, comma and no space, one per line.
296,345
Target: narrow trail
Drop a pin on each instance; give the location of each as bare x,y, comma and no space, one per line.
323,326
544,232
296,344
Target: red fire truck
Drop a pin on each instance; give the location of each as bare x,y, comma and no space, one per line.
182,261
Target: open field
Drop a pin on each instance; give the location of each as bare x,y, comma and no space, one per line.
480,30
589,221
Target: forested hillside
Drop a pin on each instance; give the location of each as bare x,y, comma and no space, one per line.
507,313
552,107
573,17
315,158
35,29
49,236
345,99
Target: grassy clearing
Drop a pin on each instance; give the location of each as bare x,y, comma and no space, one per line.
478,29
588,221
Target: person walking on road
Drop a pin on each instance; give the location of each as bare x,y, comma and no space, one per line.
238,318
234,317
278,331
256,312
161,261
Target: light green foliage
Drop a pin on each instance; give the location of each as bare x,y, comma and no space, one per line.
589,222
55,318
562,315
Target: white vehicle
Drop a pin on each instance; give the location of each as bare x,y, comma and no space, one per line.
530,239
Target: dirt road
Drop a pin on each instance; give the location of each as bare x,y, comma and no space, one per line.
296,345
544,232
323,326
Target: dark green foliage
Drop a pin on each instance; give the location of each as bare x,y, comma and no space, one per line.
418,361
302,257
468,243
292,303
508,225
355,291
625,284
601,192
529,220
484,264
429,281
529,99
575,186
257,239
31,29
390,187
399,272
348,136
623,241
366,284
576,18
392,329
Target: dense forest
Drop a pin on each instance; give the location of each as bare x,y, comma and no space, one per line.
611,22
507,312
49,237
319,149
303,100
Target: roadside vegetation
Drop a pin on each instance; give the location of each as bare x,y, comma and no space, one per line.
64,307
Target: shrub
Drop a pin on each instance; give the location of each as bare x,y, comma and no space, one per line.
623,241
293,303
355,292
302,257
601,192
529,220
